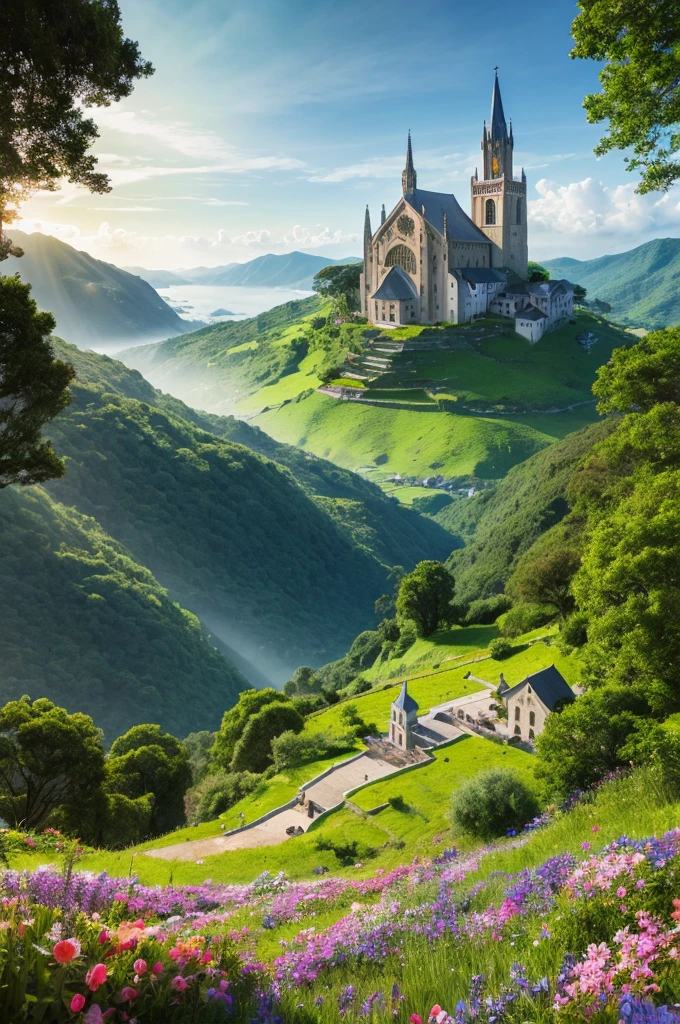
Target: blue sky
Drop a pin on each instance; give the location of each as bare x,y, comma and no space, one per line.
269,124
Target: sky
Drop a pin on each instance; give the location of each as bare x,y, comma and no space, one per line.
270,124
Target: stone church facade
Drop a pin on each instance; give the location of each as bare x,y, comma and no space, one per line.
429,262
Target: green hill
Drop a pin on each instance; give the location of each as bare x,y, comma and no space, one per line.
641,285
499,525
283,571
82,622
94,303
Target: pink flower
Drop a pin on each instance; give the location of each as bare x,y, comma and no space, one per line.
140,966
157,968
128,994
640,884
585,845
415,1019
96,976
178,983
436,1010
77,1003
621,891
595,828
66,950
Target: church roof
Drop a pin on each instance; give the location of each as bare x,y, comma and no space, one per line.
458,224
396,287
482,275
531,313
499,128
404,702
549,685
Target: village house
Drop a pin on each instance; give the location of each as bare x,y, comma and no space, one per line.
530,702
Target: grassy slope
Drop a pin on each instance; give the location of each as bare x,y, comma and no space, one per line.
499,525
641,285
82,620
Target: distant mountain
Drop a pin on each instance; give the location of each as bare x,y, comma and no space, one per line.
95,304
642,285
292,270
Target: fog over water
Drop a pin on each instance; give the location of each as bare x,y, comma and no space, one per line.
198,301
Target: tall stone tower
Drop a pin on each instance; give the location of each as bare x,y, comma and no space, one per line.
365,278
499,202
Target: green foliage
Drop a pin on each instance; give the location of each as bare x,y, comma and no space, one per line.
340,281
499,649
347,852
33,385
292,749
493,802
425,597
640,96
94,630
52,74
642,376
235,720
198,746
537,272
48,759
589,737
523,618
148,761
215,794
253,752
486,610
543,575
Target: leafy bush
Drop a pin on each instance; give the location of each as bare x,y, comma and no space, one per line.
493,802
486,610
500,648
253,752
359,685
523,618
291,749
215,794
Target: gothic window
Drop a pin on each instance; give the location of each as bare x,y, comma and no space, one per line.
531,734
519,211
490,211
517,714
401,256
532,718
518,731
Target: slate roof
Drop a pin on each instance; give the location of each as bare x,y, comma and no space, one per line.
396,287
531,313
458,224
481,275
549,685
548,287
516,288
404,702
499,128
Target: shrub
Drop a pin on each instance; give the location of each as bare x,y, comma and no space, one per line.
359,685
485,611
493,802
253,752
500,648
215,794
292,749
523,618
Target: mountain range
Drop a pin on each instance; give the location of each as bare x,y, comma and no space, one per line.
95,304
290,270
641,285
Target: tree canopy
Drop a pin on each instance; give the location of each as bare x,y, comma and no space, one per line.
639,43
147,760
57,59
235,720
253,752
425,597
340,281
33,387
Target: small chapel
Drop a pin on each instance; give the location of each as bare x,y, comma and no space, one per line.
429,262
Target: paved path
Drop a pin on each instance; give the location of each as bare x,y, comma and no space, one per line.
327,792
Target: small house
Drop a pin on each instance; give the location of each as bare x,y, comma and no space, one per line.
530,702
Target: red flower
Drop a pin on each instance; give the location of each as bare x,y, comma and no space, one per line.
77,1003
66,950
96,976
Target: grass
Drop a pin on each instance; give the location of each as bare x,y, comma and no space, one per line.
285,389
407,495
433,651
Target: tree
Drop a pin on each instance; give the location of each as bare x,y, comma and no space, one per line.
544,574
235,720
33,387
535,272
146,760
579,293
641,376
340,281
640,45
588,738
425,597
55,60
253,752
304,682
48,758
198,746
492,802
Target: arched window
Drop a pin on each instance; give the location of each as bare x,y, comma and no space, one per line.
532,718
519,211
490,211
401,256
517,714
518,731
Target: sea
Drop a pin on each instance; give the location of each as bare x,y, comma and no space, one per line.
198,301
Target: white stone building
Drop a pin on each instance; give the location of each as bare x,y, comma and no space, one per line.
530,702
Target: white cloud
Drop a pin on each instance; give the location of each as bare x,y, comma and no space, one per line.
591,208
249,238
223,202
391,167
314,238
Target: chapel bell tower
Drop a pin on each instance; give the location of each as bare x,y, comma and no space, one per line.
499,202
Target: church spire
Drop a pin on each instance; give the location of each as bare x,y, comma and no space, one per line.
368,234
499,128
497,140
408,177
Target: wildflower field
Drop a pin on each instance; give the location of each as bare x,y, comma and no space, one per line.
576,918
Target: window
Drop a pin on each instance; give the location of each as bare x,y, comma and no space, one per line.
400,741
394,715
518,731
517,714
519,211
531,734
490,211
532,718
401,256
392,320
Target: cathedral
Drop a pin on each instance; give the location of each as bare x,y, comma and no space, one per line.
429,262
